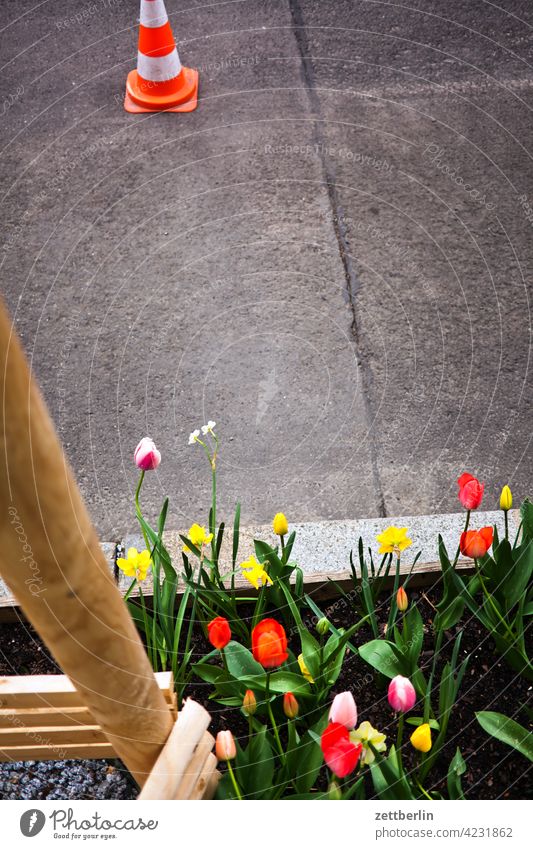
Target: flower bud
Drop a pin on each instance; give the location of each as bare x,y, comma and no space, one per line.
421,738
334,791
146,455
225,746
506,498
291,708
402,600
280,525
322,626
401,694
249,703
344,710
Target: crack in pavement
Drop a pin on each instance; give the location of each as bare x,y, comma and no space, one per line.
351,286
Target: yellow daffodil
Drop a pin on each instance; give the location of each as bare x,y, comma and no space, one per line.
255,572
198,537
506,499
366,734
136,564
421,738
393,540
280,525
304,670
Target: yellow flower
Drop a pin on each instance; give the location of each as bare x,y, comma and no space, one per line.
421,738
255,572
304,670
366,734
280,525
136,564
198,537
506,499
393,540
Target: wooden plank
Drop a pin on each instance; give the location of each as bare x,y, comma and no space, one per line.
165,777
194,768
51,735
52,561
93,751
45,691
33,717
206,784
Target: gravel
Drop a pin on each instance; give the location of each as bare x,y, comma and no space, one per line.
66,780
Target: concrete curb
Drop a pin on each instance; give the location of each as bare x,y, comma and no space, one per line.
324,547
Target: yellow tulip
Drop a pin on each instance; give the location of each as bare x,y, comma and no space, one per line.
421,738
304,670
280,525
506,499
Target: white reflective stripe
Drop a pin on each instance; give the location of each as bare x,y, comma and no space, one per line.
158,68
153,13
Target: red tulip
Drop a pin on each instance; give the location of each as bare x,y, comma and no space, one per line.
476,543
470,491
269,643
219,632
340,754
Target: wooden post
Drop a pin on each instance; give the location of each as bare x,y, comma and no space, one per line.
51,559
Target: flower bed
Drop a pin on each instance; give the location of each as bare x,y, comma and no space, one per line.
387,693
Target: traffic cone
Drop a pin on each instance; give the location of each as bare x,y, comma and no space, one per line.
160,83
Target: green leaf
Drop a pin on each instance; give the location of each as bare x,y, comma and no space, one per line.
415,631
236,533
241,661
384,657
456,769
259,774
419,720
508,731
526,513
280,682
514,583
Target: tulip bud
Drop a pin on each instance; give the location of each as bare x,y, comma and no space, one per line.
322,626
146,455
506,499
401,694
334,791
344,710
280,525
291,708
402,601
421,738
249,703
225,746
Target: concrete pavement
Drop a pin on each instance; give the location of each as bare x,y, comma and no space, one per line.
331,256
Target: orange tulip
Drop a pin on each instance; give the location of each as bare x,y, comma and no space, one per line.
476,543
269,643
402,600
291,707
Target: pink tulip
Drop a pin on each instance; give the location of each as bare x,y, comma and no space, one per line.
225,746
146,455
344,710
402,694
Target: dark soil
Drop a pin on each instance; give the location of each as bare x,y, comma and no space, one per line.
494,770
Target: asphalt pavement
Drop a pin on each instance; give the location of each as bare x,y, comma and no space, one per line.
331,257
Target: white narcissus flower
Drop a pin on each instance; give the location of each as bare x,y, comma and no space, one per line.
366,734
193,437
208,428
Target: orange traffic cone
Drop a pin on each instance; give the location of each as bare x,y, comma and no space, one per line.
160,83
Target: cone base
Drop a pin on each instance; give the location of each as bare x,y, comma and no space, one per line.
185,100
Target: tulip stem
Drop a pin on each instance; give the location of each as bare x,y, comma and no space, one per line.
234,781
467,522
426,794
399,739
506,517
272,720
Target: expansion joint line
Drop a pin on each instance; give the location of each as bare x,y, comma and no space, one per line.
351,283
